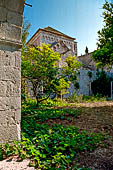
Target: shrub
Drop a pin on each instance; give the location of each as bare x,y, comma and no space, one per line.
82,98
102,85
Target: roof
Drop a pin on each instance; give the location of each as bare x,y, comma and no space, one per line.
87,61
51,30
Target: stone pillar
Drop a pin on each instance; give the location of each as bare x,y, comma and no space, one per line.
11,18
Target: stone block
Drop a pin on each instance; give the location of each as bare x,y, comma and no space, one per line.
3,104
10,103
18,59
10,74
13,89
2,3
14,103
3,14
12,59
3,88
10,32
7,118
14,5
3,121
8,59
2,73
2,32
14,18
17,116
10,133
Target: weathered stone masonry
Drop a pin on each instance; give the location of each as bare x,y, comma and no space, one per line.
11,17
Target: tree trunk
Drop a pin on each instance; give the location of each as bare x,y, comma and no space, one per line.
37,101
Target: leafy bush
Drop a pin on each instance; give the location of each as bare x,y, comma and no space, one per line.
54,102
102,85
31,103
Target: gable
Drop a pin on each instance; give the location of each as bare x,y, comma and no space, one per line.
52,31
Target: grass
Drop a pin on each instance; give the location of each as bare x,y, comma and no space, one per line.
55,146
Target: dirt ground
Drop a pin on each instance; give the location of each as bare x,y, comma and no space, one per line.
97,117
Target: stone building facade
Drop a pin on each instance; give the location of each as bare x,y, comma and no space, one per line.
11,18
84,80
58,41
89,66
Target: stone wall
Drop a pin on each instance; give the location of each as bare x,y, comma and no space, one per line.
11,17
85,81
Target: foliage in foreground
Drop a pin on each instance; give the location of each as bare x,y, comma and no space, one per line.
52,147
46,114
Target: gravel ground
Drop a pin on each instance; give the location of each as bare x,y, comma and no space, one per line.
15,164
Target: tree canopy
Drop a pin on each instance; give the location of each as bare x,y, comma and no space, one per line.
40,66
104,53
86,50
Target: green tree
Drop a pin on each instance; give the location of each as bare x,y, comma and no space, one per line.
69,74
86,50
104,53
40,66
70,70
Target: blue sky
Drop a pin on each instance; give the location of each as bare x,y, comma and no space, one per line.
80,19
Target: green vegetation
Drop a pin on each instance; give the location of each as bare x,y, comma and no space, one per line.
1,154
84,99
104,53
48,138
40,66
102,84
70,101
48,145
86,50
46,114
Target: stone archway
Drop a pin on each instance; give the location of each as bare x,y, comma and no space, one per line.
11,18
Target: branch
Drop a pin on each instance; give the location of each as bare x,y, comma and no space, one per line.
44,98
